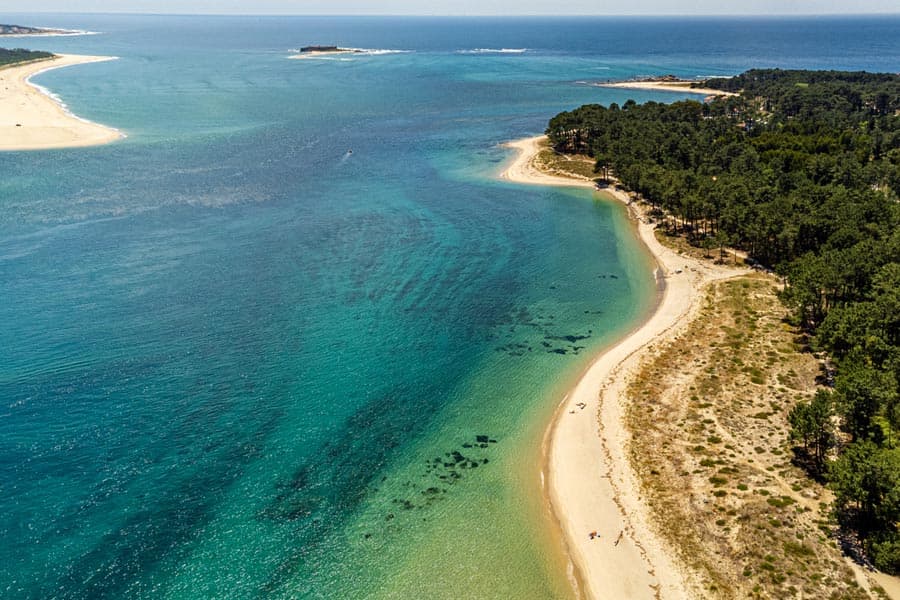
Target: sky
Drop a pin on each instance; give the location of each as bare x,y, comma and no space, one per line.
462,7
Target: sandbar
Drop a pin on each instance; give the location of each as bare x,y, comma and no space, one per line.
667,86
31,119
587,477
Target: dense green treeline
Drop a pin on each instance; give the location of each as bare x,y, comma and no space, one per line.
17,55
801,170
788,94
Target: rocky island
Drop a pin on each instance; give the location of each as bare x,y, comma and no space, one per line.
311,51
323,49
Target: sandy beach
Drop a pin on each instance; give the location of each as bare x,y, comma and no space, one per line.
587,476
522,169
30,119
667,86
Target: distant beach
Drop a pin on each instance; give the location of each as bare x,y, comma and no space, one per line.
48,33
589,482
32,119
666,86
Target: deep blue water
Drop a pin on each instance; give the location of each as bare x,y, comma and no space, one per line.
228,346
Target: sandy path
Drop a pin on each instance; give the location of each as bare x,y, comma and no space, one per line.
587,475
32,120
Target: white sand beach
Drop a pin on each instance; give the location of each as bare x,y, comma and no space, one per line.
522,169
589,481
30,119
667,86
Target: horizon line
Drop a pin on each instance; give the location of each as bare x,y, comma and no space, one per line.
465,16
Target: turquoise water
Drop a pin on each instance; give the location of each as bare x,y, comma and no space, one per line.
238,360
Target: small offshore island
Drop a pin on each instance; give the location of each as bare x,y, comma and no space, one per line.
737,461
313,51
31,119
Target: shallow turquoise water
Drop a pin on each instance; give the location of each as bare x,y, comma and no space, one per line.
237,360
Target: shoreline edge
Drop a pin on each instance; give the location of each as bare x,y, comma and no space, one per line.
33,118
586,476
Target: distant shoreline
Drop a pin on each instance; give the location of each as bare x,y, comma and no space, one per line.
589,482
42,32
31,118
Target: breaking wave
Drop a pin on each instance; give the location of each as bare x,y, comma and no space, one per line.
493,51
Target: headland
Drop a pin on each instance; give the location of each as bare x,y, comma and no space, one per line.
23,31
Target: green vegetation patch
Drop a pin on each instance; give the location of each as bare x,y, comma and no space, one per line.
20,55
801,172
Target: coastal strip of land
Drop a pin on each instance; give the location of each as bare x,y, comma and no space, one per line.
31,119
19,31
592,490
666,86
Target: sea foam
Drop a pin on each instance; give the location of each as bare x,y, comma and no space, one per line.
493,51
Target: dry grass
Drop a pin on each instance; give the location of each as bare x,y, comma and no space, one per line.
708,414
709,420
551,162
680,243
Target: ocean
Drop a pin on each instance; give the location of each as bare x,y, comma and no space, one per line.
292,338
